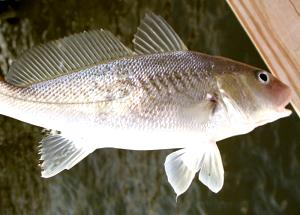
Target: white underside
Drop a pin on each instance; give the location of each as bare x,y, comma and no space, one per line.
73,127
102,137
95,136
136,139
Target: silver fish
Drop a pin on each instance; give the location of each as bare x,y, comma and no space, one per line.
98,93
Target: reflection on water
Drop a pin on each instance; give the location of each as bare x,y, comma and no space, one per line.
261,169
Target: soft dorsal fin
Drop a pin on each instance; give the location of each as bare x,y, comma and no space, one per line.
155,35
64,56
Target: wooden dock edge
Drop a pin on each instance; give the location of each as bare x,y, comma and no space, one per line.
274,28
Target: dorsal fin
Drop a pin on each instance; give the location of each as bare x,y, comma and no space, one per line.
64,56
155,35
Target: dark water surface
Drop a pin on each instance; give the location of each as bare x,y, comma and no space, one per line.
262,169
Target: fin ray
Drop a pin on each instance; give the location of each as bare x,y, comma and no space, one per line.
179,175
212,173
59,153
155,35
64,56
182,165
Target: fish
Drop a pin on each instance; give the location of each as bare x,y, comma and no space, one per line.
91,91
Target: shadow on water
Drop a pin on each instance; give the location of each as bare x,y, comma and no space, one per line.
261,168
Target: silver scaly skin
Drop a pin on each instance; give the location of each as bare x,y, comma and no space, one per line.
143,92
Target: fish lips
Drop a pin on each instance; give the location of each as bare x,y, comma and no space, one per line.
282,110
283,98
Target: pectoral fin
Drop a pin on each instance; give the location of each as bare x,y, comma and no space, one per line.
182,165
211,171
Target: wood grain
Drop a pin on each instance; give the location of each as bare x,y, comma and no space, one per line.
274,28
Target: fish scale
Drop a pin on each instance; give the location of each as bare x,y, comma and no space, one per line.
146,92
91,85
124,93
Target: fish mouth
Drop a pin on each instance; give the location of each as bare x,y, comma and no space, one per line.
282,110
286,97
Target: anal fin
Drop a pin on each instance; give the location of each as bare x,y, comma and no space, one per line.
59,153
182,165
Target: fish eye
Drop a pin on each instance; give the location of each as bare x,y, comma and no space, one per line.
263,77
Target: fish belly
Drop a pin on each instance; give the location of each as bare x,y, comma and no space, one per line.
80,121
71,122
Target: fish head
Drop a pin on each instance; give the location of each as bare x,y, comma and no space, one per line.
257,95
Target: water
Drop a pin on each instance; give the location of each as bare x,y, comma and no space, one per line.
261,168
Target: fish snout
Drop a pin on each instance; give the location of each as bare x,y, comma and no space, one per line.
282,95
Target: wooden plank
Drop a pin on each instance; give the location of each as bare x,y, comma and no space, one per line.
274,28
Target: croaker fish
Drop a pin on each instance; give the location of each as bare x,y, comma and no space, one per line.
98,93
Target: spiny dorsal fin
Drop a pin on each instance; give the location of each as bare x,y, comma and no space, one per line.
64,56
155,35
